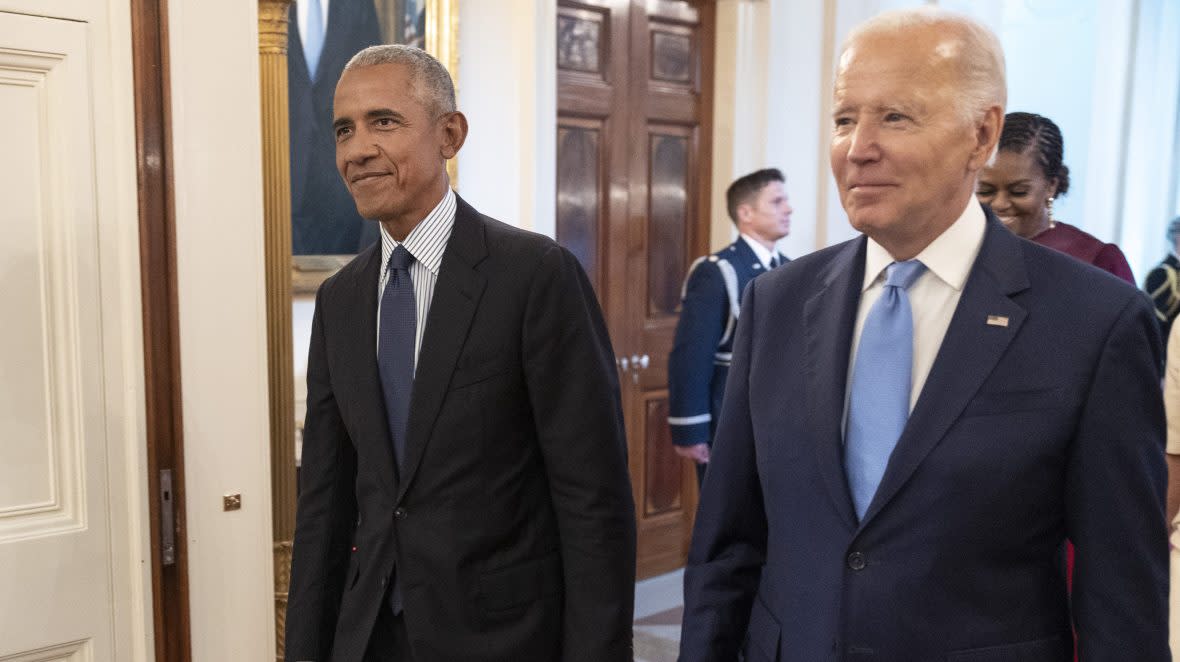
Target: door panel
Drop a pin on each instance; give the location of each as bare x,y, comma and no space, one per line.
579,192
668,207
55,559
663,477
633,84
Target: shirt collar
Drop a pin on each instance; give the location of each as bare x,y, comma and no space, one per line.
949,256
428,240
760,251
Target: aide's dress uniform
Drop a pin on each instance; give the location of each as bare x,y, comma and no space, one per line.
1163,286
699,362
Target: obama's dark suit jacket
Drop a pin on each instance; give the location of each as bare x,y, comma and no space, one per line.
512,529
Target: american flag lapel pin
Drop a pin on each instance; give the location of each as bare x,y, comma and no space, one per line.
997,320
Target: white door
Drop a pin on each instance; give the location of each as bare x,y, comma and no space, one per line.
62,571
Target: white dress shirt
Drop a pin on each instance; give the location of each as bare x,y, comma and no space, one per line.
933,297
764,254
426,242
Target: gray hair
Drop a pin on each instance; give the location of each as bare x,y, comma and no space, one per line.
980,58
432,83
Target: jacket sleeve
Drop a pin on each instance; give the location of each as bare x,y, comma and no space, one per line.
729,537
1114,499
325,515
703,315
574,393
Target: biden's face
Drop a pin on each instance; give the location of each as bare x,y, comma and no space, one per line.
903,155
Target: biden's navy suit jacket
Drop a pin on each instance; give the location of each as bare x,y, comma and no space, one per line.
1043,425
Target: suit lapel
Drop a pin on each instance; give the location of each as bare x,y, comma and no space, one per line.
456,297
360,336
829,316
969,353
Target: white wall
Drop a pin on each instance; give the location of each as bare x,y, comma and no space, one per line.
508,90
798,121
739,114
217,160
1152,156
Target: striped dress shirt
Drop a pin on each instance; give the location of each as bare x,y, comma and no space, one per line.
426,242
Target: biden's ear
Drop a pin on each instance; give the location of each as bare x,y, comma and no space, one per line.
453,127
987,135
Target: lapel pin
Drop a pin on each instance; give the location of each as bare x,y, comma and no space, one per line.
997,320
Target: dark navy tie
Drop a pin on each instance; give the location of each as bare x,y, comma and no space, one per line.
395,362
395,347
879,399
773,261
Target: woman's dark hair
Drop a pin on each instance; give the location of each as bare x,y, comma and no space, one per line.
1029,130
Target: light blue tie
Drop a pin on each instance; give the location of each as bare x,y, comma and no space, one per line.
313,40
879,402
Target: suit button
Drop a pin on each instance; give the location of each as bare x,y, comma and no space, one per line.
856,561
399,513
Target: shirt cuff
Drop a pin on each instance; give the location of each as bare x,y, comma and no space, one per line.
689,431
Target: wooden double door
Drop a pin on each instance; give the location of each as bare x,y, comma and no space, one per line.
633,171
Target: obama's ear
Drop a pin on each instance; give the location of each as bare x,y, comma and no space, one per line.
454,133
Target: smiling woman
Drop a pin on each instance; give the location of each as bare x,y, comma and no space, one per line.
1020,184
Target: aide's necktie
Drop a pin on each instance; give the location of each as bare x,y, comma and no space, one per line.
313,38
879,400
395,347
773,261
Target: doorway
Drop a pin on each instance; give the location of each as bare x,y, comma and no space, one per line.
634,108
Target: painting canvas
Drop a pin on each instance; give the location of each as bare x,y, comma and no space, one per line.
322,36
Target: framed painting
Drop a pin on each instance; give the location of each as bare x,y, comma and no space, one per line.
326,231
